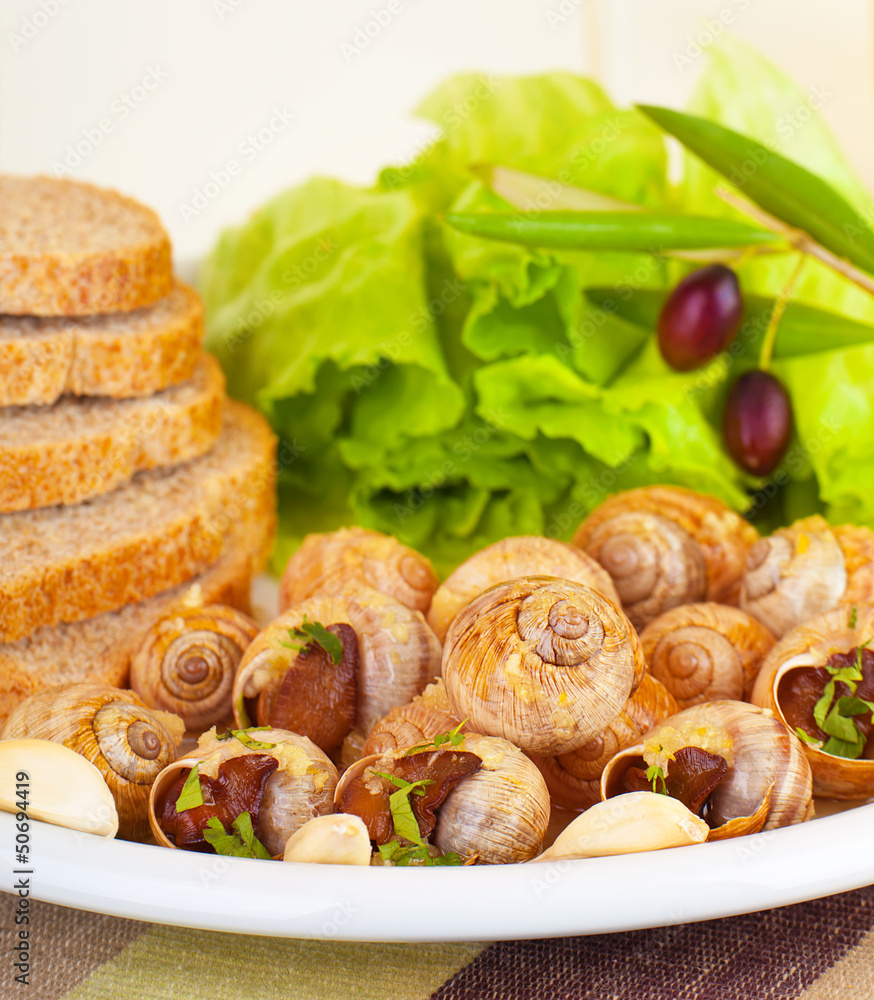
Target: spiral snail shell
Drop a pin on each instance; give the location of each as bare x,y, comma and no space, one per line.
665,546
327,563
574,778
525,555
301,786
807,569
129,743
765,781
545,663
415,723
793,677
706,652
497,815
187,662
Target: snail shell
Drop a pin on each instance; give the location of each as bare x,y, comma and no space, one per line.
794,574
525,555
500,814
542,662
129,743
768,783
857,545
187,662
574,779
706,652
665,546
415,723
811,645
299,789
398,654
326,563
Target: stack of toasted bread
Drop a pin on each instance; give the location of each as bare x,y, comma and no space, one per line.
128,482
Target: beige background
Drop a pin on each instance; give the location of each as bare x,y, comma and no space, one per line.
219,70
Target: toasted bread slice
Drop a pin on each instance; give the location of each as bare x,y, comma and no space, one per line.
118,355
100,649
78,449
73,249
65,564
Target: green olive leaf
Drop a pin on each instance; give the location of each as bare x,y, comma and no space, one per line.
804,329
786,190
653,232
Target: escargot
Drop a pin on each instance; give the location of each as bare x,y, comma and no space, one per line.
129,743
816,679
385,654
419,721
545,663
574,778
665,546
486,801
525,555
279,778
187,661
733,764
706,652
807,569
327,563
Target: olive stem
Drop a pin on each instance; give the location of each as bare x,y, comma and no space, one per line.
777,314
800,240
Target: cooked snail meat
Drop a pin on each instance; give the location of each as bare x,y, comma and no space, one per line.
367,794
238,788
318,695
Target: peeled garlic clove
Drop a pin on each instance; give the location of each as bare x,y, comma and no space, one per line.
636,821
525,555
64,788
340,839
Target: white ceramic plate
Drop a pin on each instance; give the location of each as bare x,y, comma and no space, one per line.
464,904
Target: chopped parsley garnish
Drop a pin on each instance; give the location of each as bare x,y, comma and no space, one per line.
404,856
654,775
402,817
836,718
854,614
191,795
309,632
243,736
242,843
454,736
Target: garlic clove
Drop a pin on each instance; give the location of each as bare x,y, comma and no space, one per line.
627,824
65,789
338,839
